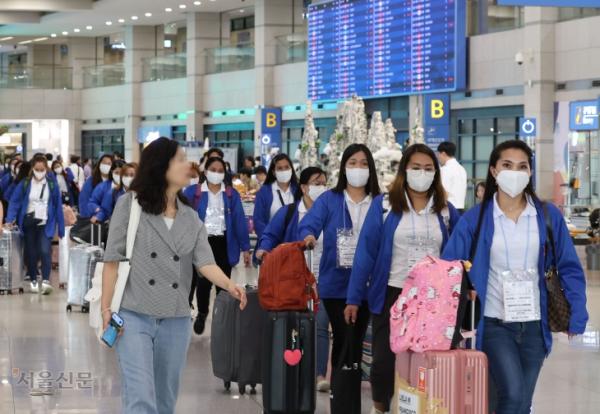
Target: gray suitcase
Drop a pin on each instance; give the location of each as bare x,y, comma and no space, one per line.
236,339
82,265
12,273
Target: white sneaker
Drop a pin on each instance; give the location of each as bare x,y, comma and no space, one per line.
34,287
323,385
46,288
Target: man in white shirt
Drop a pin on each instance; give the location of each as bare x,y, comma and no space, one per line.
454,176
77,171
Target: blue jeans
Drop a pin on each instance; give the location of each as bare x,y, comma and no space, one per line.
152,354
516,353
322,341
37,246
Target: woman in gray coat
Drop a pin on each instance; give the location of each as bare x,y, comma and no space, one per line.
169,242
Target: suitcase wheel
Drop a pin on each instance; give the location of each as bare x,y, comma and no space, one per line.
242,389
2,292
9,292
69,308
227,385
252,389
85,309
21,291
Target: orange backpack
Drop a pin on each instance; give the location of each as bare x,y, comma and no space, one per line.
285,283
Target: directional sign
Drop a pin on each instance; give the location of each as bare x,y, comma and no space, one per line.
528,127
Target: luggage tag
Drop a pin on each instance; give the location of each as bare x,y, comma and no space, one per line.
293,356
215,218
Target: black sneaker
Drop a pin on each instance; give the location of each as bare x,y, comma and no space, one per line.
200,323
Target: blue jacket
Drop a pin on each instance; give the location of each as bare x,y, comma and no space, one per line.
326,216
84,199
262,207
17,207
373,259
238,238
95,202
276,232
109,200
10,190
6,180
569,268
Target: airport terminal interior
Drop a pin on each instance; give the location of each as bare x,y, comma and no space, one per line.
82,80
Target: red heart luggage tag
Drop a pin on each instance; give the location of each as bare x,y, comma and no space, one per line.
292,357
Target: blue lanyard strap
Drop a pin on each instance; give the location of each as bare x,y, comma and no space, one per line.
526,246
412,218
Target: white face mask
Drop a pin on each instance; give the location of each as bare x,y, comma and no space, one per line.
314,191
420,180
117,179
215,178
39,175
58,170
127,181
105,169
283,177
194,181
512,182
357,177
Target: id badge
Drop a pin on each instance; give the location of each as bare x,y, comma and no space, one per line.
215,218
40,212
420,248
521,300
346,247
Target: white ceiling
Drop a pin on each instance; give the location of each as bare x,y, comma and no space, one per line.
99,12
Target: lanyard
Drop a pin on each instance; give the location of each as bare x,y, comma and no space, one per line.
412,218
526,246
42,193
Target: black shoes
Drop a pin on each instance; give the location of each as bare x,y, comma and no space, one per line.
200,323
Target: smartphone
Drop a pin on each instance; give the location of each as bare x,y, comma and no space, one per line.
110,335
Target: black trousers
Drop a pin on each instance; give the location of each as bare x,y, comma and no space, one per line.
335,310
384,360
201,285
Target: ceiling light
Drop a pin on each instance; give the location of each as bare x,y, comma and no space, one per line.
182,6
40,39
88,27
109,23
76,30
65,33
134,17
25,42
168,10
121,20
241,10
6,38
53,35
197,3
148,14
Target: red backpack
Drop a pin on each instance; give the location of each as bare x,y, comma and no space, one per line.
285,283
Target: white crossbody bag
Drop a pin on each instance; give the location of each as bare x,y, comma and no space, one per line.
94,295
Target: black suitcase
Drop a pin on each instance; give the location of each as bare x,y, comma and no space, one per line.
236,340
289,389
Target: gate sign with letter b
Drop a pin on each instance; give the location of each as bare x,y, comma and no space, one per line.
271,125
437,109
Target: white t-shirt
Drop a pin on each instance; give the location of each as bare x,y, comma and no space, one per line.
454,180
215,211
287,196
358,211
79,175
38,199
169,221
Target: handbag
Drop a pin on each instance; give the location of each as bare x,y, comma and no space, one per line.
345,376
94,295
559,309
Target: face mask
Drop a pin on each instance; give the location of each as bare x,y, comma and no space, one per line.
127,181
194,181
214,177
314,191
117,179
283,177
58,170
357,177
512,182
39,175
420,180
105,169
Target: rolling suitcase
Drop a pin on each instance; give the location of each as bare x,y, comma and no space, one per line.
64,245
236,340
12,273
289,363
82,264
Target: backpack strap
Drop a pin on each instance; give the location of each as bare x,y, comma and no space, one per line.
550,233
291,209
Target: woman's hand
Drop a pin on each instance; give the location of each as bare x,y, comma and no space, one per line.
260,253
247,259
310,241
94,220
106,317
351,314
238,293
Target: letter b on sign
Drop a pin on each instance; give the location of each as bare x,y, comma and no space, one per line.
437,109
271,120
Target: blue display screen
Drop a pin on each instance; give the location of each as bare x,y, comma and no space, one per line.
375,48
551,3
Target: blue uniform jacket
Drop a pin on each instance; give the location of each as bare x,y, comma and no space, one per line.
373,259
17,207
70,179
238,238
84,199
262,207
276,233
327,216
6,181
571,273
95,202
109,200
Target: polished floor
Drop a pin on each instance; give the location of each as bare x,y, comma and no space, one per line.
41,346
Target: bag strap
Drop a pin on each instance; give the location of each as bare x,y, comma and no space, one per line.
291,209
550,231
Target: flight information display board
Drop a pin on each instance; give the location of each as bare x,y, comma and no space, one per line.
376,48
